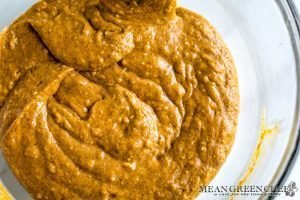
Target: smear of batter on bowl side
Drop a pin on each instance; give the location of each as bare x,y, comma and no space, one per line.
4,195
265,131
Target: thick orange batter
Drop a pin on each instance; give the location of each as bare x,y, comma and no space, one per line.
115,99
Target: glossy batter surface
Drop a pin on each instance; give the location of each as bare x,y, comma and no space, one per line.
115,99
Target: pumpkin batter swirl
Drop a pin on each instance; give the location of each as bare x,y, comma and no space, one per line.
115,99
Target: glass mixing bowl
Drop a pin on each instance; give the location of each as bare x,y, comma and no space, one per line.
264,40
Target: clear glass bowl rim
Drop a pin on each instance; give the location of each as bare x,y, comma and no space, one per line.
292,16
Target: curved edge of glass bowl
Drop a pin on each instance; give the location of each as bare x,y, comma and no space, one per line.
292,17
